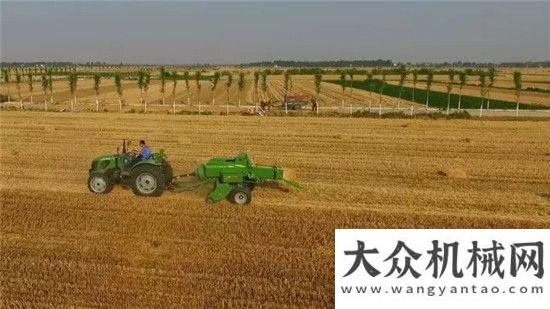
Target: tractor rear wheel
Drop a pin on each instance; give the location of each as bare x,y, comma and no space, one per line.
240,196
99,183
147,180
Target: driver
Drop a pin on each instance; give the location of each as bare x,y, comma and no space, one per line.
145,152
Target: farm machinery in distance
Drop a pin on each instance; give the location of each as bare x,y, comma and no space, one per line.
233,178
288,103
295,102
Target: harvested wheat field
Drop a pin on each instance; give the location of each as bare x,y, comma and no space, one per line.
64,246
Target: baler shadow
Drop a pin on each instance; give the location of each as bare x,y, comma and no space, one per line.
273,185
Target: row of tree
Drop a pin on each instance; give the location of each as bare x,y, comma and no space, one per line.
106,71
486,83
143,78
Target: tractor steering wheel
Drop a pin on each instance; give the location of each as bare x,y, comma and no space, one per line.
128,158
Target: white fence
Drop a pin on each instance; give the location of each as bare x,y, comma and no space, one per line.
230,108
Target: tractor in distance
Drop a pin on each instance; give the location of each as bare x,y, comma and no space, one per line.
295,102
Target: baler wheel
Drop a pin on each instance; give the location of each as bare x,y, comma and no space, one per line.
240,196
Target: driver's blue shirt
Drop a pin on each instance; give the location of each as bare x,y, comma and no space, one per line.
145,153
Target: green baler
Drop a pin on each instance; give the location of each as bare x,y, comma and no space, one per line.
235,178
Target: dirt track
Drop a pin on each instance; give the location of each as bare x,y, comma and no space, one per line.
62,245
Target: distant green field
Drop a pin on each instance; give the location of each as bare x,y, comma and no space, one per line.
437,99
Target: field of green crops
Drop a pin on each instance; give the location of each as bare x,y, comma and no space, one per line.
437,98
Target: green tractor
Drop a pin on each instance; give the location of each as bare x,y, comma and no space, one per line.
146,177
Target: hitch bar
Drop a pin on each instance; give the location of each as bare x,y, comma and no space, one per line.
183,175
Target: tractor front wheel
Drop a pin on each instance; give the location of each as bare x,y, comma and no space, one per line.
147,180
240,196
99,183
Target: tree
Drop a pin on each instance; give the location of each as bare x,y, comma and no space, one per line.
50,84
482,86
146,82
382,85
288,82
256,79
318,78
449,89
198,77
402,78
18,86
215,80
462,77
228,84
343,84
240,84
351,76
174,77
369,76
517,88
44,80
264,82
429,81
6,80
119,89
72,79
415,80
30,83
491,74
141,84
162,77
96,77
186,80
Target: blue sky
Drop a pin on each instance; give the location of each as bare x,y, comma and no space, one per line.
234,32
